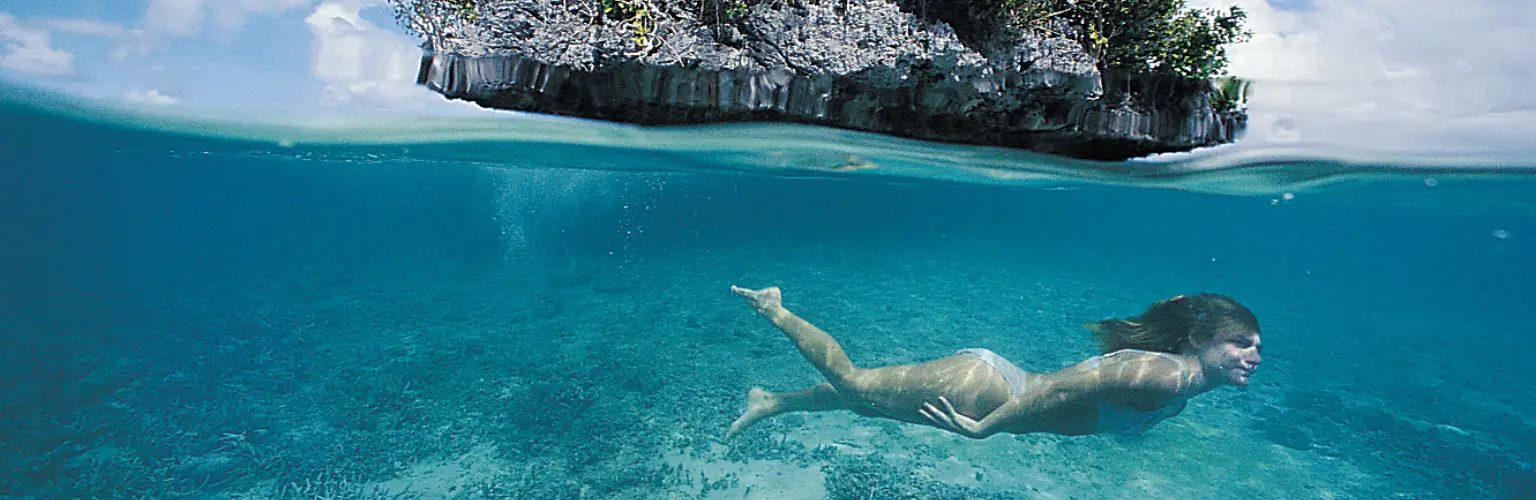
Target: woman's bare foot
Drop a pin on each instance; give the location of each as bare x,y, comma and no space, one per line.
760,405
762,300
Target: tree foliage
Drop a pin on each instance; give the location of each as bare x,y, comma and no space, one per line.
1142,35
1161,36
1231,94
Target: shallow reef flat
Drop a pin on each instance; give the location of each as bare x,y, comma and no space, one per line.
616,376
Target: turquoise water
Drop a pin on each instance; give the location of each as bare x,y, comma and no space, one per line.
524,307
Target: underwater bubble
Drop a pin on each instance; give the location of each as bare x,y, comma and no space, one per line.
1502,234
1431,182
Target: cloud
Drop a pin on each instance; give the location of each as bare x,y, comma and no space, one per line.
174,17
151,96
190,17
1390,75
29,50
87,27
363,64
131,41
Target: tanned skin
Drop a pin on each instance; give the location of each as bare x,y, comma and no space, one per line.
963,394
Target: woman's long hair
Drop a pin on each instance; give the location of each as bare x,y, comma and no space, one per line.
1166,326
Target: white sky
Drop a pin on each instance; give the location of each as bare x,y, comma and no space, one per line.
279,56
1431,78
1389,76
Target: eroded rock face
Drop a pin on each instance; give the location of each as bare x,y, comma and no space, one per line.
868,65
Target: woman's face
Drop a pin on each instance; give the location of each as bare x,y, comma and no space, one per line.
1231,357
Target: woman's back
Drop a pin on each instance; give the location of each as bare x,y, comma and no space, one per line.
1123,392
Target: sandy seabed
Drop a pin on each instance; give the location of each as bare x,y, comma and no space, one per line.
616,377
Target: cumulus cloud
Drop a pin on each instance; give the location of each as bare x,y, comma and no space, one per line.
150,96
1390,75
362,63
30,50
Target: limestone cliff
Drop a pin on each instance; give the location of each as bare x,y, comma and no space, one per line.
896,68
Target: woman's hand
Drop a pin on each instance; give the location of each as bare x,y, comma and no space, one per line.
950,420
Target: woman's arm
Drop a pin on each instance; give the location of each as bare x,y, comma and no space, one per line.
945,417
1141,380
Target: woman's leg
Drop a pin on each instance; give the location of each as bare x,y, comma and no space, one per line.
816,345
890,392
896,392
762,404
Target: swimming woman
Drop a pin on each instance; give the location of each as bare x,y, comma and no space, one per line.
1151,365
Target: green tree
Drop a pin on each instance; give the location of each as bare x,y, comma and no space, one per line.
1156,36
1143,35
1231,94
